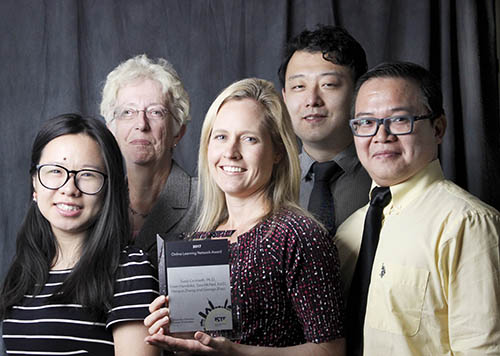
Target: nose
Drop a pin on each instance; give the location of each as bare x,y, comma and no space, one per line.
313,98
232,150
70,187
382,135
141,121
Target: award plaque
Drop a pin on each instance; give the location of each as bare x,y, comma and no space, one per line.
196,276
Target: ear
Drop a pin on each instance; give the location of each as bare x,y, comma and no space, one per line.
439,126
180,133
35,194
277,157
283,93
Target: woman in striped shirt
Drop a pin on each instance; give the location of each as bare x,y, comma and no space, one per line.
74,287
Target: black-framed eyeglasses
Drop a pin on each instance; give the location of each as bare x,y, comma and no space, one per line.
153,112
87,181
394,125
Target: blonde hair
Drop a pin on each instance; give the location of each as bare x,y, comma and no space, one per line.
283,188
141,67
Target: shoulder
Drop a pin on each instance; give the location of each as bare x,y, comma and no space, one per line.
354,171
132,253
461,200
455,206
136,286
135,272
462,214
134,260
179,182
179,174
296,223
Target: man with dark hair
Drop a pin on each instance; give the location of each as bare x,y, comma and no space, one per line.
424,255
318,74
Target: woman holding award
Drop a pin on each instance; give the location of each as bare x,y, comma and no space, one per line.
74,287
284,268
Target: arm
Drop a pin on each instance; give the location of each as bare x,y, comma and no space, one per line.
128,338
204,344
471,263
135,287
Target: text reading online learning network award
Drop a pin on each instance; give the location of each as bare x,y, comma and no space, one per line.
199,288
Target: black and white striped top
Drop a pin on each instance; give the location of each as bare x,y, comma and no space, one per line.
41,327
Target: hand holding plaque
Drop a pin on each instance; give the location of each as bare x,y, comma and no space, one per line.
197,281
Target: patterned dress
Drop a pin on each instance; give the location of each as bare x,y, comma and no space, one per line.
285,278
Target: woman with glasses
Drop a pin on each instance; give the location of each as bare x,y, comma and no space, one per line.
284,268
147,109
74,286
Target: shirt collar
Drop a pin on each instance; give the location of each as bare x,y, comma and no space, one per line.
404,193
347,160
305,165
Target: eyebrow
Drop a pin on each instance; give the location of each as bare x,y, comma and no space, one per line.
392,110
245,132
132,104
86,166
324,74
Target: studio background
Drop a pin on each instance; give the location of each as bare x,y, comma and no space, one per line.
55,55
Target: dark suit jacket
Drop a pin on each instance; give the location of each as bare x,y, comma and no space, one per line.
175,211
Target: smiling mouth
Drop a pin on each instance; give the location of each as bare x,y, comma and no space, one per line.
232,169
385,154
314,117
140,142
66,207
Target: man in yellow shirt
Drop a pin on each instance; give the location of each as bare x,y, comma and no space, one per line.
433,282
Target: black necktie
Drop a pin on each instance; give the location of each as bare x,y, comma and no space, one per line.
356,305
321,200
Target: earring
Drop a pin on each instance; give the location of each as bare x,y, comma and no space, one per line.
34,198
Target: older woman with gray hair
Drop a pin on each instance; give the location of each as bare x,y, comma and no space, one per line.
146,107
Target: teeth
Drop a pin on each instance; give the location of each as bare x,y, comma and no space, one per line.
67,207
232,169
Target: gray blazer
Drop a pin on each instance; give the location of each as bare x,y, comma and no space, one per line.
175,211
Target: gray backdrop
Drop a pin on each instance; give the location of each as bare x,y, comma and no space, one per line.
55,55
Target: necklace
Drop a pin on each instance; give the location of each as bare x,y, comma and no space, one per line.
144,216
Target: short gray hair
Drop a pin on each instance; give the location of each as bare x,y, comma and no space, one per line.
142,67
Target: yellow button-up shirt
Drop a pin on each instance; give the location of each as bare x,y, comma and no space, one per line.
435,283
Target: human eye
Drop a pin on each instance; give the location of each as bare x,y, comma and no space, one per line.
400,119
53,170
365,122
296,85
127,113
330,84
218,137
156,112
88,174
401,123
249,139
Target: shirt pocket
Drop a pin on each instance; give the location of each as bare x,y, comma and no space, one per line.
396,298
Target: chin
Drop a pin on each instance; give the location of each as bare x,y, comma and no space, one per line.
142,161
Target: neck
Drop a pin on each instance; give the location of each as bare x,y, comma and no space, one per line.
68,250
326,151
245,213
145,184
